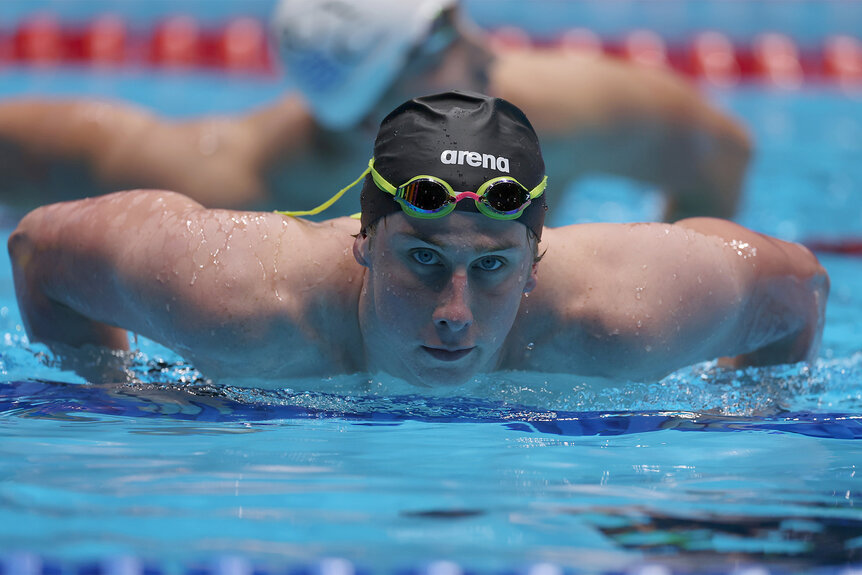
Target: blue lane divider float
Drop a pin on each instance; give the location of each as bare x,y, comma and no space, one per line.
33,564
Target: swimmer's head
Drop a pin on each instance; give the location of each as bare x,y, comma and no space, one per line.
465,139
343,55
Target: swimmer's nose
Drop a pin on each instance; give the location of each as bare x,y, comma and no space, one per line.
453,311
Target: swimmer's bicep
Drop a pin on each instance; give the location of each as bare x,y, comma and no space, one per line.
219,277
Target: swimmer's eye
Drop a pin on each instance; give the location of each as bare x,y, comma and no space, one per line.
489,263
425,257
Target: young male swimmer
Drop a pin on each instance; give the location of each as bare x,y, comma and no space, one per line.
352,62
442,279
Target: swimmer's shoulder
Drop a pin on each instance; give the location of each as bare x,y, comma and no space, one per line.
644,292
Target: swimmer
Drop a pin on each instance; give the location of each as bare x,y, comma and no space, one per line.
352,62
449,273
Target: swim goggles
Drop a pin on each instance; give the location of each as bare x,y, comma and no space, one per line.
502,198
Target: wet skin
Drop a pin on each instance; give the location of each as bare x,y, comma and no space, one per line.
441,295
433,302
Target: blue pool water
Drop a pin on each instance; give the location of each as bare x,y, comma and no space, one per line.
706,471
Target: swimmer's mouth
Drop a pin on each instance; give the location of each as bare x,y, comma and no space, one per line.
447,354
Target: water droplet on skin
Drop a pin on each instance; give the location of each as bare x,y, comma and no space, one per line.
640,323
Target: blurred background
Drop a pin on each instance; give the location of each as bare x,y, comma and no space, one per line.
780,42
791,70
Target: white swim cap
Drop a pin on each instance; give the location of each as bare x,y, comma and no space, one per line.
344,54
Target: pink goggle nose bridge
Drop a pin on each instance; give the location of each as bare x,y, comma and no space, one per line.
461,195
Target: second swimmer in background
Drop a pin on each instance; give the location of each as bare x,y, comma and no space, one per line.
351,62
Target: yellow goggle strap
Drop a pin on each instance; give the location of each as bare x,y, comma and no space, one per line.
327,203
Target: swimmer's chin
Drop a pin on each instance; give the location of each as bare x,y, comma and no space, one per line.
442,379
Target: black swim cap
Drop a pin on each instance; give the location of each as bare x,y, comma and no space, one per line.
464,138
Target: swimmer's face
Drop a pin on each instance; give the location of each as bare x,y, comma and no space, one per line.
441,295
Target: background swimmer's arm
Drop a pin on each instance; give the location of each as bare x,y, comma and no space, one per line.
53,150
642,300
598,114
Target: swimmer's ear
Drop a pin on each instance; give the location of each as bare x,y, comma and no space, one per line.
533,279
360,249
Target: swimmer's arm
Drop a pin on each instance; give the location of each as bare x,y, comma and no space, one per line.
786,293
52,150
86,271
647,299
223,288
618,118
65,296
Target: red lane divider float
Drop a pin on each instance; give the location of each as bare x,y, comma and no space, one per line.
843,59
40,41
776,58
844,246
713,57
105,40
177,43
244,45
770,58
241,45
238,45
646,48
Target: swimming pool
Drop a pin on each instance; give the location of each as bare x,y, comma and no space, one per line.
708,471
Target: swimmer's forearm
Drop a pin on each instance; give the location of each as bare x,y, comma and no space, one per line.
53,323
91,147
53,150
786,291
714,168
678,141
68,261
796,308
696,154
45,318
